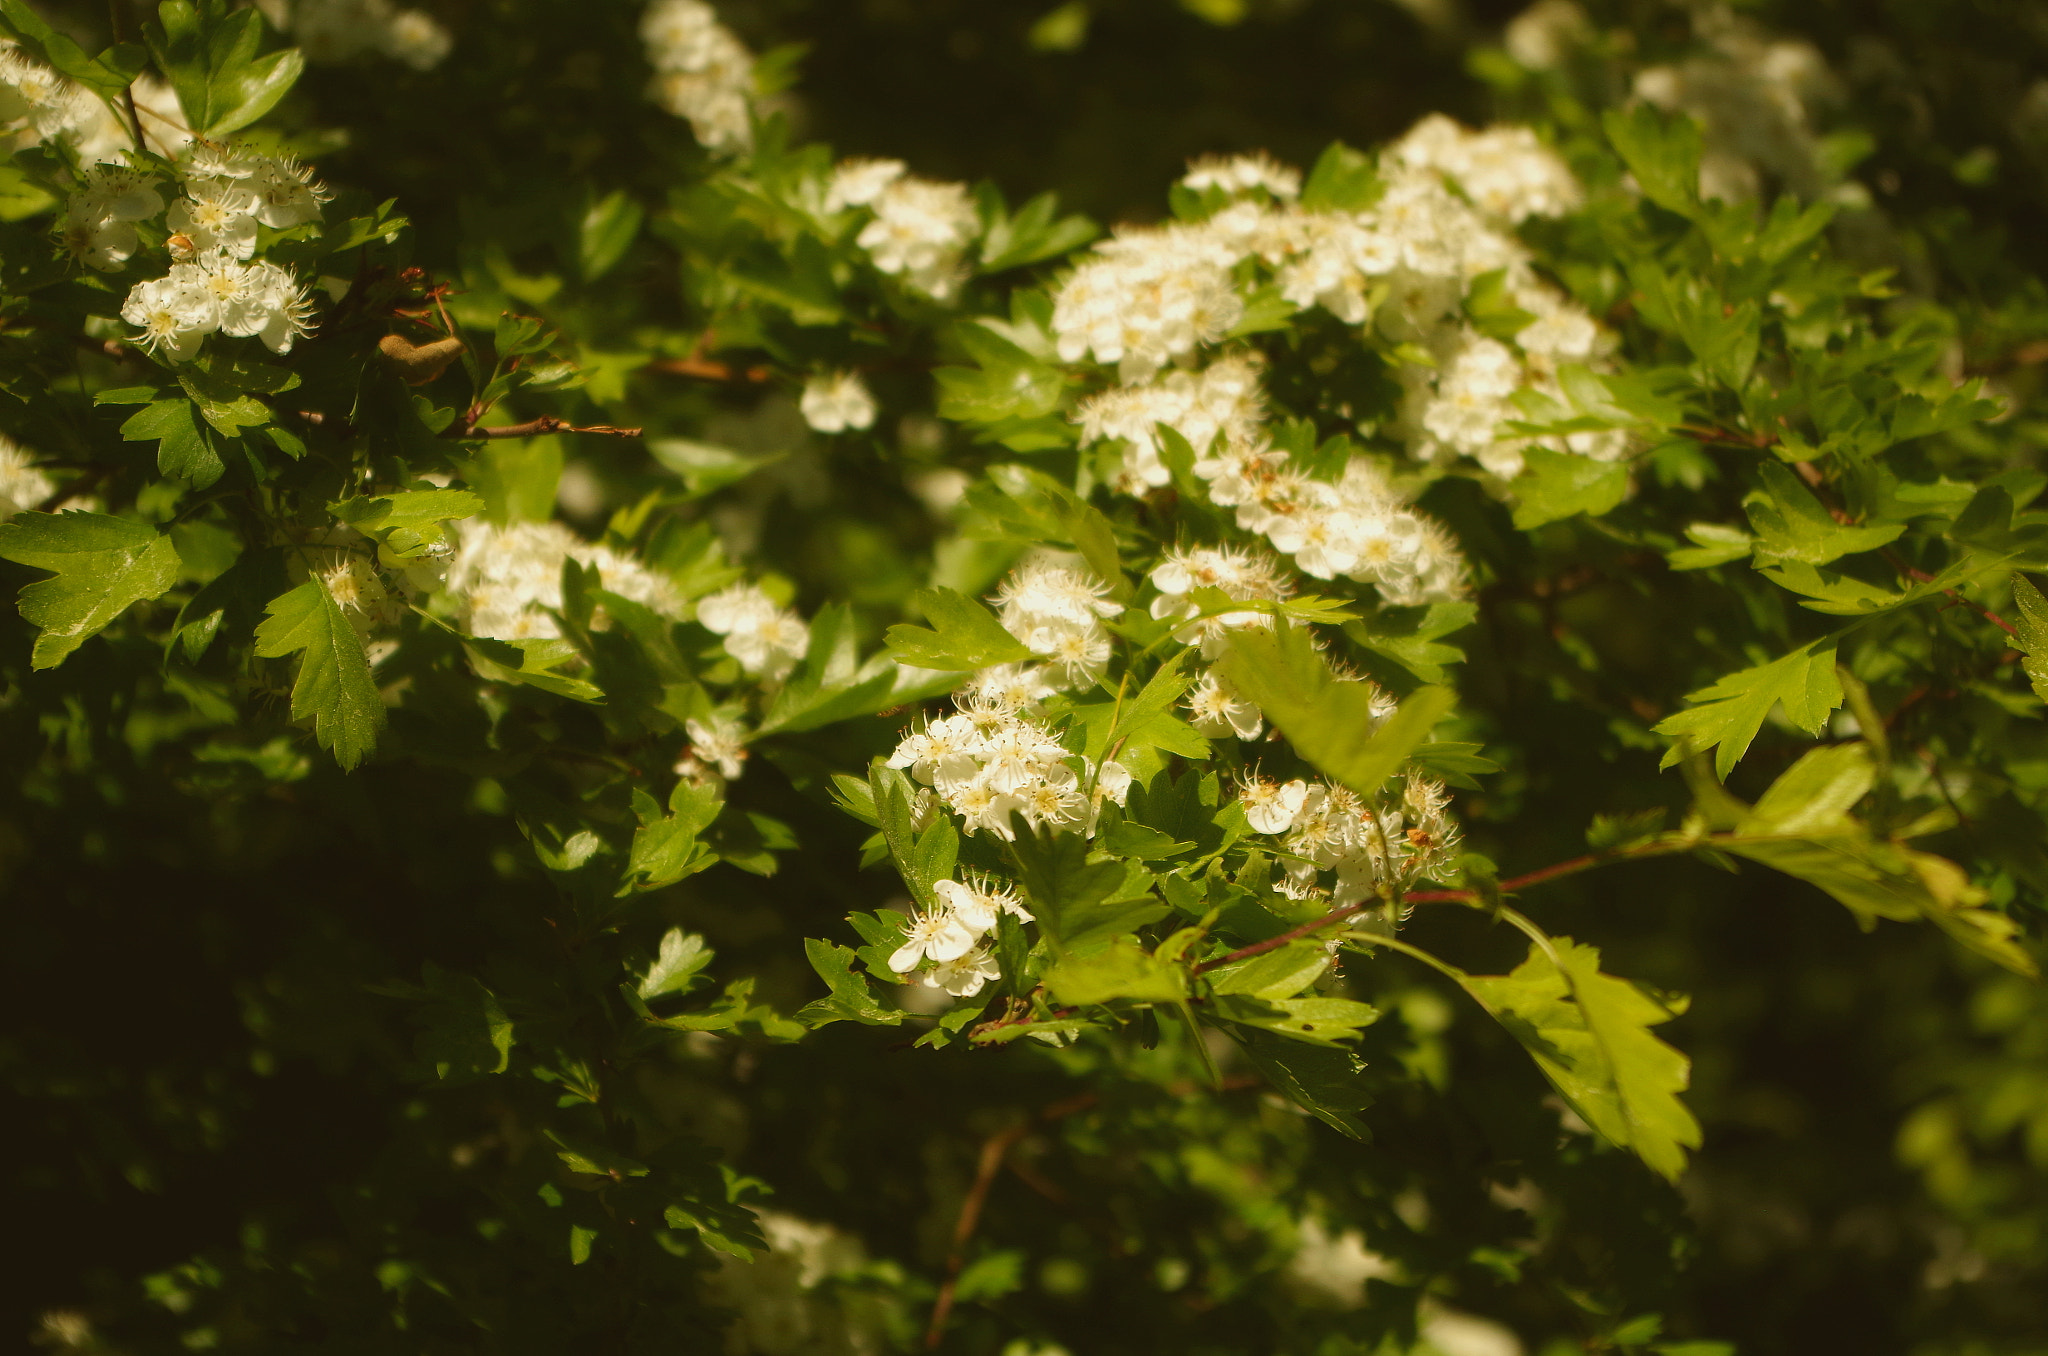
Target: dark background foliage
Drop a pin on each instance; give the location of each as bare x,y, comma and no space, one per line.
196,1062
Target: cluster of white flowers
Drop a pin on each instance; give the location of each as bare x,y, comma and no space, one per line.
1757,97
1057,612
836,401
702,72
37,105
34,98
1222,399
99,219
1365,844
920,229
329,31
1237,174
22,486
1357,527
508,580
950,934
766,639
1504,170
1404,265
1148,298
718,748
783,1302
992,759
213,286
1242,576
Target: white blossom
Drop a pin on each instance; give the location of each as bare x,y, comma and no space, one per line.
1270,806
857,183
964,976
1221,400
836,401
703,72
99,219
1057,613
22,486
720,742
1243,174
1147,298
172,312
509,579
766,639
921,228
1216,709
1504,169
937,934
977,903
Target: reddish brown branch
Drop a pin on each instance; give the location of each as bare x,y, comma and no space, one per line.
1540,876
707,369
994,1150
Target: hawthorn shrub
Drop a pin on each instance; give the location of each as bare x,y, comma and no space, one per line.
634,734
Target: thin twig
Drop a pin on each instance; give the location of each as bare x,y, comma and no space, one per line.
707,369
533,428
993,1151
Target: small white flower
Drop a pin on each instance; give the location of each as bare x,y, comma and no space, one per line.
1271,807
977,904
937,934
218,215
964,977
857,183
836,401
1217,709
172,312
719,743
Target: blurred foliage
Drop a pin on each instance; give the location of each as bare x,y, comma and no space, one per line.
257,1007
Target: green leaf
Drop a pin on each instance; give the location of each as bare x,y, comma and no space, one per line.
1557,485
1730,712
1272,974
677,967
334,686
1814,794
1124,971
1662,152
531,663
605,233
1328,722
210,54
1409,636
462,1028
102,565
1792,524
1006,383
1713,544
667,848
408,523
2032,626
1325,1081
185,450
1802,827
1317,1020
964,635
1076,900
851,1000
110,73
707,467
1590,1034
1036,232
1343,180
